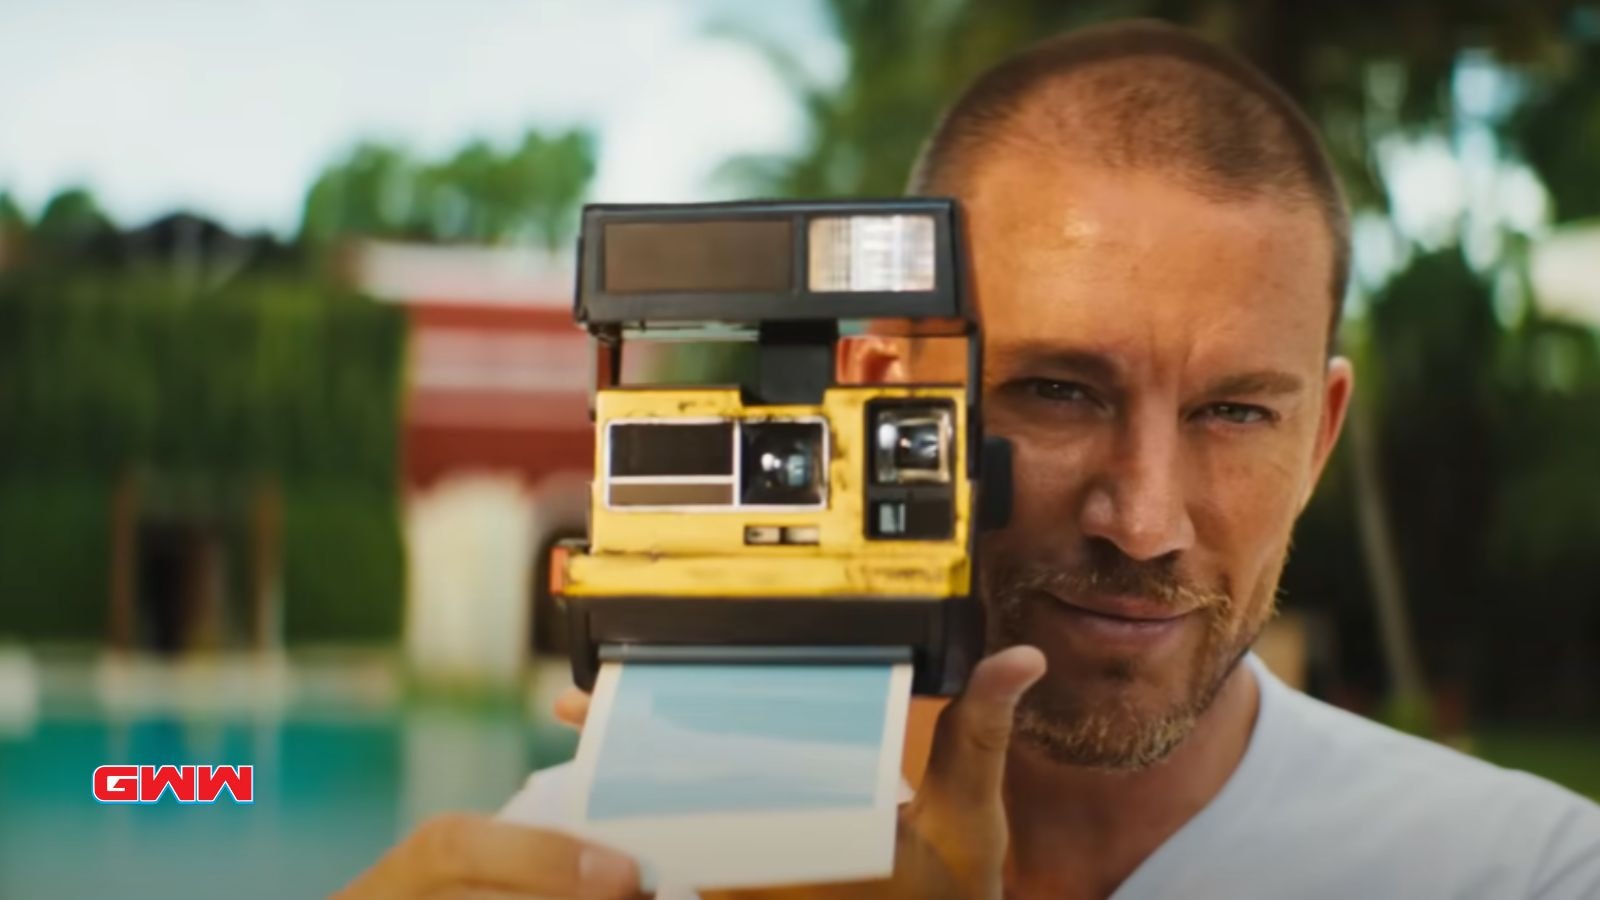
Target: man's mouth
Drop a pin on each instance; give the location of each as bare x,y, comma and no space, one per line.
1123,622
1124,607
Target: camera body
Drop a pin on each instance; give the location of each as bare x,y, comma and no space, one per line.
789,518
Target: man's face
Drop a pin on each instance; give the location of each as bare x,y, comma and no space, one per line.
1158,361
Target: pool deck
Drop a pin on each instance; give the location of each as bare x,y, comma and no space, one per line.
223,684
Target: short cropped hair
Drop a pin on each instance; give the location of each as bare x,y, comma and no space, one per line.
1146,95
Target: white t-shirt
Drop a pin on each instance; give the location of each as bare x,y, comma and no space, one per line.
1326,804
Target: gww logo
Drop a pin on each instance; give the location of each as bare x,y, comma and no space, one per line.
188,784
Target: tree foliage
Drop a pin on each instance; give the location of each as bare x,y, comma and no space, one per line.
72,220
529,193
1362,69
11,217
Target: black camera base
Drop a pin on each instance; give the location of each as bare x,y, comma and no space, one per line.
942,638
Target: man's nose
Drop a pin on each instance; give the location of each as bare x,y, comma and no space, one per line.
1136,499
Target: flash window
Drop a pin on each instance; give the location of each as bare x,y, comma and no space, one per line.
872,253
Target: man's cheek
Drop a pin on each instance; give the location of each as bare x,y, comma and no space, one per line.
1044,494
1250,492
1242,508
1047,481
1254,540
1260,596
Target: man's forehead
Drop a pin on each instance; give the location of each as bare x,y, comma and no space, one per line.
1032,199
1062,252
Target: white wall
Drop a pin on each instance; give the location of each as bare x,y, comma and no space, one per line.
470,541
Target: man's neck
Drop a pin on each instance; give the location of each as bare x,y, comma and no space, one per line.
1079,833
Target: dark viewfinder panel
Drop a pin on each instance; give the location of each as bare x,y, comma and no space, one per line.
644,450
734,256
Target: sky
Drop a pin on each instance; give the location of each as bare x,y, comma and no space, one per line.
231,108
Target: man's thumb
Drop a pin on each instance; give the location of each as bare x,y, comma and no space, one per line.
968,756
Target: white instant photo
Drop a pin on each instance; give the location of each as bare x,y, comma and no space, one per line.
721,776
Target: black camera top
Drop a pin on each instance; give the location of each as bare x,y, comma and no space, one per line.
756,262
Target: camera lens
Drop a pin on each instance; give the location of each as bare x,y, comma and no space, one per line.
783,469
782,463
911,445
914,445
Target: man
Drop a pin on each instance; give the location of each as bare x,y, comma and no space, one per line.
1160,249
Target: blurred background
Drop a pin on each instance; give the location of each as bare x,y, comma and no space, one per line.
291,403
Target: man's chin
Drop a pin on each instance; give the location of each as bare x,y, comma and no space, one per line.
1118,713
1113,731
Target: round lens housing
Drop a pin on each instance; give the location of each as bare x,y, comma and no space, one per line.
912,444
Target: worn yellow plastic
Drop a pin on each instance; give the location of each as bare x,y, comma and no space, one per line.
702,553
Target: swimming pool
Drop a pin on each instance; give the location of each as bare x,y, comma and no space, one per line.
345,765
335,784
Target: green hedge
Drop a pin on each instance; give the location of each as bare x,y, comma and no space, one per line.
272,377
343,564
54,558
271,374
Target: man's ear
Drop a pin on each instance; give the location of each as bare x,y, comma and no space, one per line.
1337,392
872,359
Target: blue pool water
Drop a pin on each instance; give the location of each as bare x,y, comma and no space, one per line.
333,790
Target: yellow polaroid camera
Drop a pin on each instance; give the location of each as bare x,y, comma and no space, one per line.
788,519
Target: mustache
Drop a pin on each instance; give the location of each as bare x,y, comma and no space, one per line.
1106,570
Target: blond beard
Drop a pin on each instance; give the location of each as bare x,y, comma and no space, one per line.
1116,735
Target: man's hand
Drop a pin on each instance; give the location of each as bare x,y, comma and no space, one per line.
463,856
952,840
572,707
953,836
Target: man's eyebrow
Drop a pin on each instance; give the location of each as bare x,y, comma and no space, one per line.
1056,358
1100,367
1263,382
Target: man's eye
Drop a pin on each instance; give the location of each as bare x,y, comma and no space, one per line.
1238,413
1060,391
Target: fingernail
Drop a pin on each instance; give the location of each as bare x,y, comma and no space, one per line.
602,873
1021,687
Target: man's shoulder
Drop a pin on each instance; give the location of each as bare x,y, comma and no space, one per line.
1351,746
1390,796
